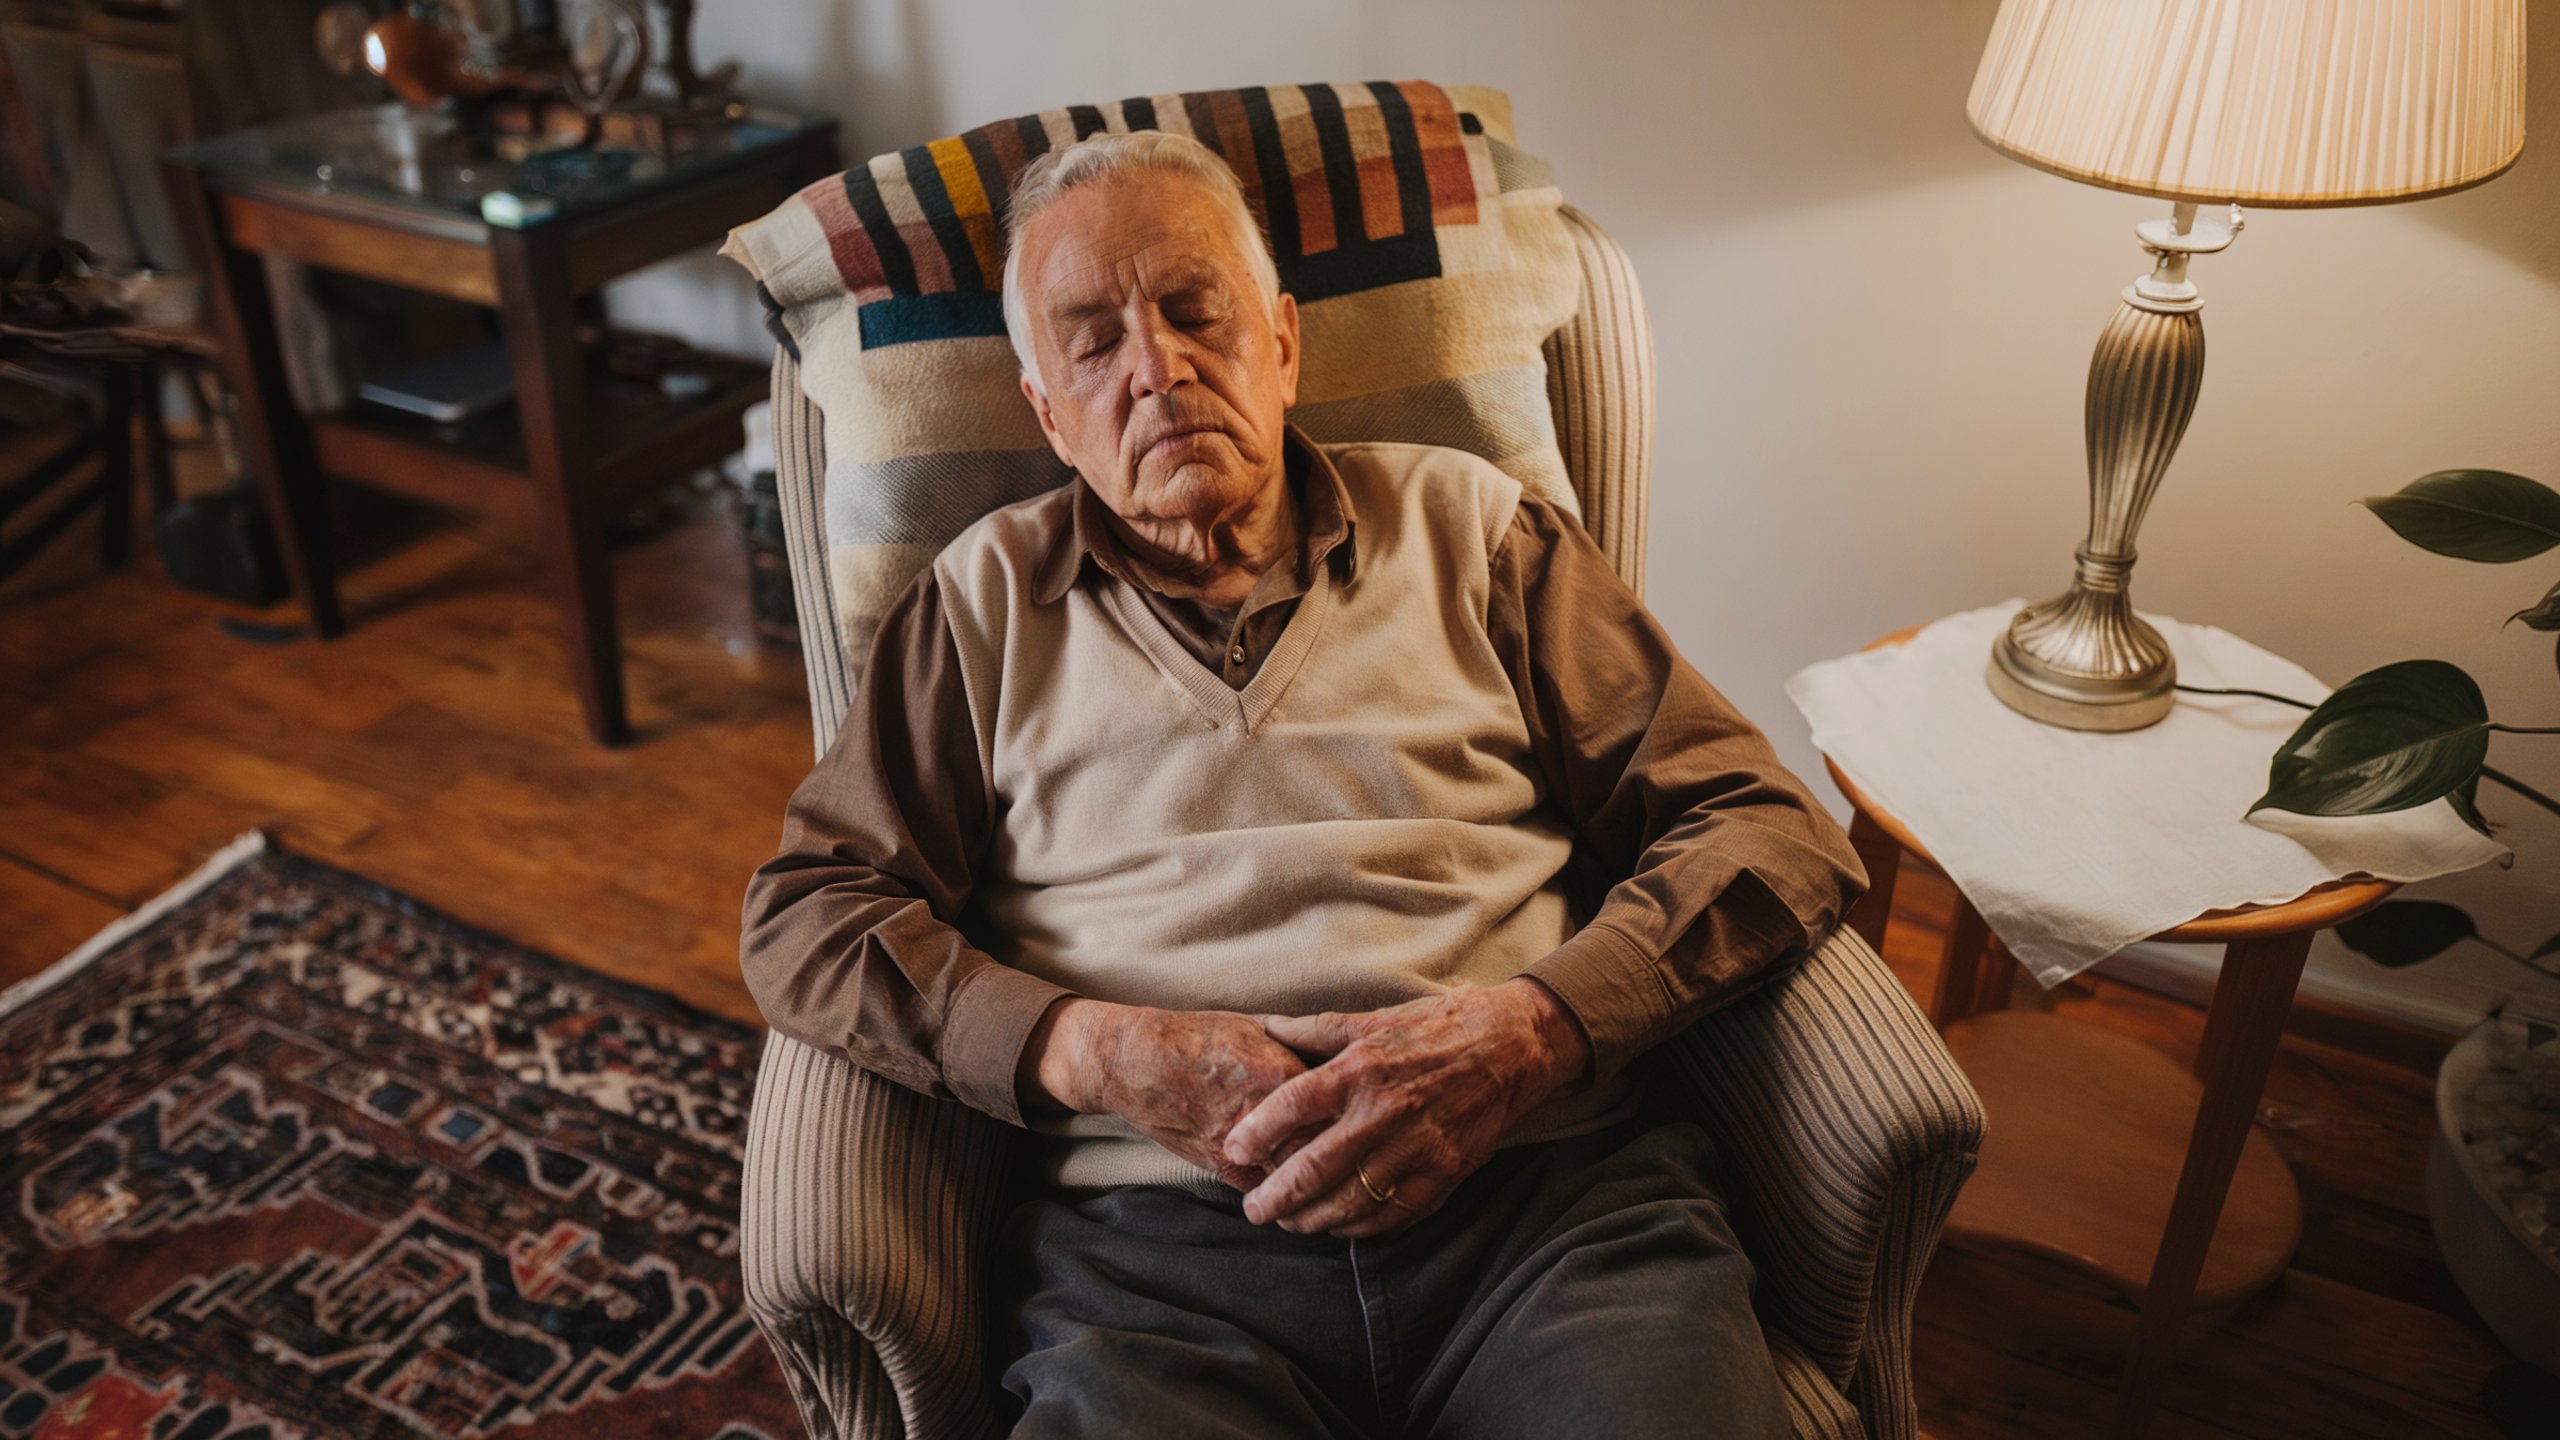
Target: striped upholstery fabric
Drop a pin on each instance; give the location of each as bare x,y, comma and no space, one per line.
1817,1407
1429,256
863,1226
868,1208
1600,385
1852,1130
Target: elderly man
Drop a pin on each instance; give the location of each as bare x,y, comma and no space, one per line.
1300,841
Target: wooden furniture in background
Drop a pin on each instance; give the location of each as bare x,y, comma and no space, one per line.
128,438
2088,1158
578,440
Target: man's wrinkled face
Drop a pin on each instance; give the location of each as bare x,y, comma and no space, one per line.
1167,373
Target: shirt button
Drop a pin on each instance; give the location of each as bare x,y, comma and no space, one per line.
1236,656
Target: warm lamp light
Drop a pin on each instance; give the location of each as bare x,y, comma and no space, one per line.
2220,102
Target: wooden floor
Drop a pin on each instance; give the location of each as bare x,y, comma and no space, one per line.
437,748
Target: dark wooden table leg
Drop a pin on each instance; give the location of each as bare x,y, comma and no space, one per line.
274,438
1993,973
115,466
1881,854
2250,1002
537,312
1960,966
152,435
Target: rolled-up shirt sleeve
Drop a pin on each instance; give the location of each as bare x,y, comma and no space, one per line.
1718,864
851,940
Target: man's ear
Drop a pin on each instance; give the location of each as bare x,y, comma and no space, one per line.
1284,327
1048,422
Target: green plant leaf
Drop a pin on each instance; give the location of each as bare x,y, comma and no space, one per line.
2390,739
2405,932
2485,515
2545,616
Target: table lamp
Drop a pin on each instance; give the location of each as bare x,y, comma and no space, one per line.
2296,103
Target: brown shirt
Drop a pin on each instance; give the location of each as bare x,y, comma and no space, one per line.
1234,640
1699,860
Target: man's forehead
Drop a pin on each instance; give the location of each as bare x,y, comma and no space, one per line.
1156,232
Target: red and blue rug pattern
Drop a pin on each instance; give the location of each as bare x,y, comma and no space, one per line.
290,1155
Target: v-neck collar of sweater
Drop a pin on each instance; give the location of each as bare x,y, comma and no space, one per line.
1218,704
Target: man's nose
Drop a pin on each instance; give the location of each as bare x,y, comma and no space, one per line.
1160,359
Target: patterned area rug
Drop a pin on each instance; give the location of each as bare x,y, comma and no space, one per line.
290,1155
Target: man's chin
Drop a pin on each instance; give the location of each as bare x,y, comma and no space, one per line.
1192,489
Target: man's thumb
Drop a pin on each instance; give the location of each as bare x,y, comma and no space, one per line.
1325,1033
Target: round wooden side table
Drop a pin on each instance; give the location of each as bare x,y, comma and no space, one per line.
2087,1157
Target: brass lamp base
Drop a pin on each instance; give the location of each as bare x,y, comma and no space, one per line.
2084,661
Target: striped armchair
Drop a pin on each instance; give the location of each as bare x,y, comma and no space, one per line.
869,1209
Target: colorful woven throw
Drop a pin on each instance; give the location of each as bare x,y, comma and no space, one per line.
1429,257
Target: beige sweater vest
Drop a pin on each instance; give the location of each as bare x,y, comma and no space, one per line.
1357,827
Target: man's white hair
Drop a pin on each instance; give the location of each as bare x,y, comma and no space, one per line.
1106,157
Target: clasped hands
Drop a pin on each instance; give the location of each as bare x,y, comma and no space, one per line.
1306,1114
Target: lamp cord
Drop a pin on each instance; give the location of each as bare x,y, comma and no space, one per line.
2261,694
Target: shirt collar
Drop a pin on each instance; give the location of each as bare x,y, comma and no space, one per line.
1088,537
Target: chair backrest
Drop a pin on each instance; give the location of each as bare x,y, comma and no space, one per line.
1428,253
1600,385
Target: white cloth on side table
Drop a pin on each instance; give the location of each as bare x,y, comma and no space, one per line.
2073,844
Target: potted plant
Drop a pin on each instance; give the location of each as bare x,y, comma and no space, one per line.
2417,731
2406,735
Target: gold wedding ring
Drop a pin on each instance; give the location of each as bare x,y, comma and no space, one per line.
1383,1197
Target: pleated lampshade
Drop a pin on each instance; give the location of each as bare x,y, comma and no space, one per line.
2258,102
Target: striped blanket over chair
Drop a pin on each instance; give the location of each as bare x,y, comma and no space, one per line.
1428,254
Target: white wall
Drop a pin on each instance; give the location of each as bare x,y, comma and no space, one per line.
1874,332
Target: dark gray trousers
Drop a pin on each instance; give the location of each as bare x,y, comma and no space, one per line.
1587,1286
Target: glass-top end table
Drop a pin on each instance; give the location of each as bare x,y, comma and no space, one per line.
531,231
446,170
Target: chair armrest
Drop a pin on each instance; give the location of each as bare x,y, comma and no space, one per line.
867,1214
1851,1131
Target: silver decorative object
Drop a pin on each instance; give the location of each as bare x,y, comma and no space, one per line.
608,43
2083,659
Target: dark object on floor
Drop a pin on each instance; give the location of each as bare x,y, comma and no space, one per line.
221,545
2524,1401
777,610
257,633
297,1156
